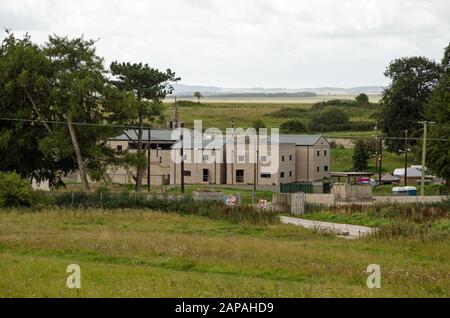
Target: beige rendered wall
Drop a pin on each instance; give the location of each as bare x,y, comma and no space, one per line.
307,161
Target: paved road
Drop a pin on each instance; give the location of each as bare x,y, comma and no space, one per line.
343,230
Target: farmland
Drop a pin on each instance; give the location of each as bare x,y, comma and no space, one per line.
273,112
136,253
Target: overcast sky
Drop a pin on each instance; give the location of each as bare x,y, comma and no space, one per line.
247,43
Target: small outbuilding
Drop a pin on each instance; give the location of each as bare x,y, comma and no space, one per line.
351,186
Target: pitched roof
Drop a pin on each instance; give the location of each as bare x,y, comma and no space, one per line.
410,172
155,135
299,140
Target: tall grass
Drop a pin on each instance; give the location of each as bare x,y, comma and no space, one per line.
181,205
429,221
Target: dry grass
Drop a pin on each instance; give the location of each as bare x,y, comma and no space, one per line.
144,253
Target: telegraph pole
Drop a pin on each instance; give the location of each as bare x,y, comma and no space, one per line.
381,160
182,162
424,155
406,157
148,162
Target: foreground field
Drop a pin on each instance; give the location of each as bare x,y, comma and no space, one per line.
143,253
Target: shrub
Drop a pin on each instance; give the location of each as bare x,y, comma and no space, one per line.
14,191
330,119
292,126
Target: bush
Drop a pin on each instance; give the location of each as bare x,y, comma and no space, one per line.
14,191
292,126
330,119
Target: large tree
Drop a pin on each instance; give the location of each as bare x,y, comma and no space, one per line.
25,95
83,98
412,81
438,111
149,86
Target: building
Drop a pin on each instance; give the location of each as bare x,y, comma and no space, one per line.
301,158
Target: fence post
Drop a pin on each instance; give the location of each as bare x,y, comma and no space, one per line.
101,199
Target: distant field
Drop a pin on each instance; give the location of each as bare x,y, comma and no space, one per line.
219,114
138,253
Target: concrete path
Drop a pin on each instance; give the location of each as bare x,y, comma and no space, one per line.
348,231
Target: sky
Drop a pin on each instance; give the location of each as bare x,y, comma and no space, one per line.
247,43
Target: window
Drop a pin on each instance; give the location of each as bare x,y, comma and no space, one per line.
205,157
205,175
263,158
318,153
119,148
187,173
282,175
184,157
290,157
325,153
241,158
266,175
290,173
325,168
282,158
318,169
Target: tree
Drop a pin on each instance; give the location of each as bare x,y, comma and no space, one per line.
438,110
330,119
149,87
292,126
361,155
362,99
412,81
258,124
26,79
81,93
198,95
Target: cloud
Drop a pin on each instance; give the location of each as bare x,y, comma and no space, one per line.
269,43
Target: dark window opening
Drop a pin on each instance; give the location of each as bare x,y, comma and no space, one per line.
266,175
239,176
205,175
187,173
282,174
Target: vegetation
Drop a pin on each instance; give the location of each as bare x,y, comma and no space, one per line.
148,87
438,111
361,155
422,221
413,80
362,99
292,126
198,95
342,160
330,119
14,191
150,254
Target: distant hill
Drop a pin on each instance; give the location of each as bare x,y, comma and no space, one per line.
182,90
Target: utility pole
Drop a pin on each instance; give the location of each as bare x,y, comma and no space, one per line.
406,157
182,162
255,168
424,155
148,161
381,159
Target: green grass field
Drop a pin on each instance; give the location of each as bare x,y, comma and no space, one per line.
149,254
219,113
341,160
